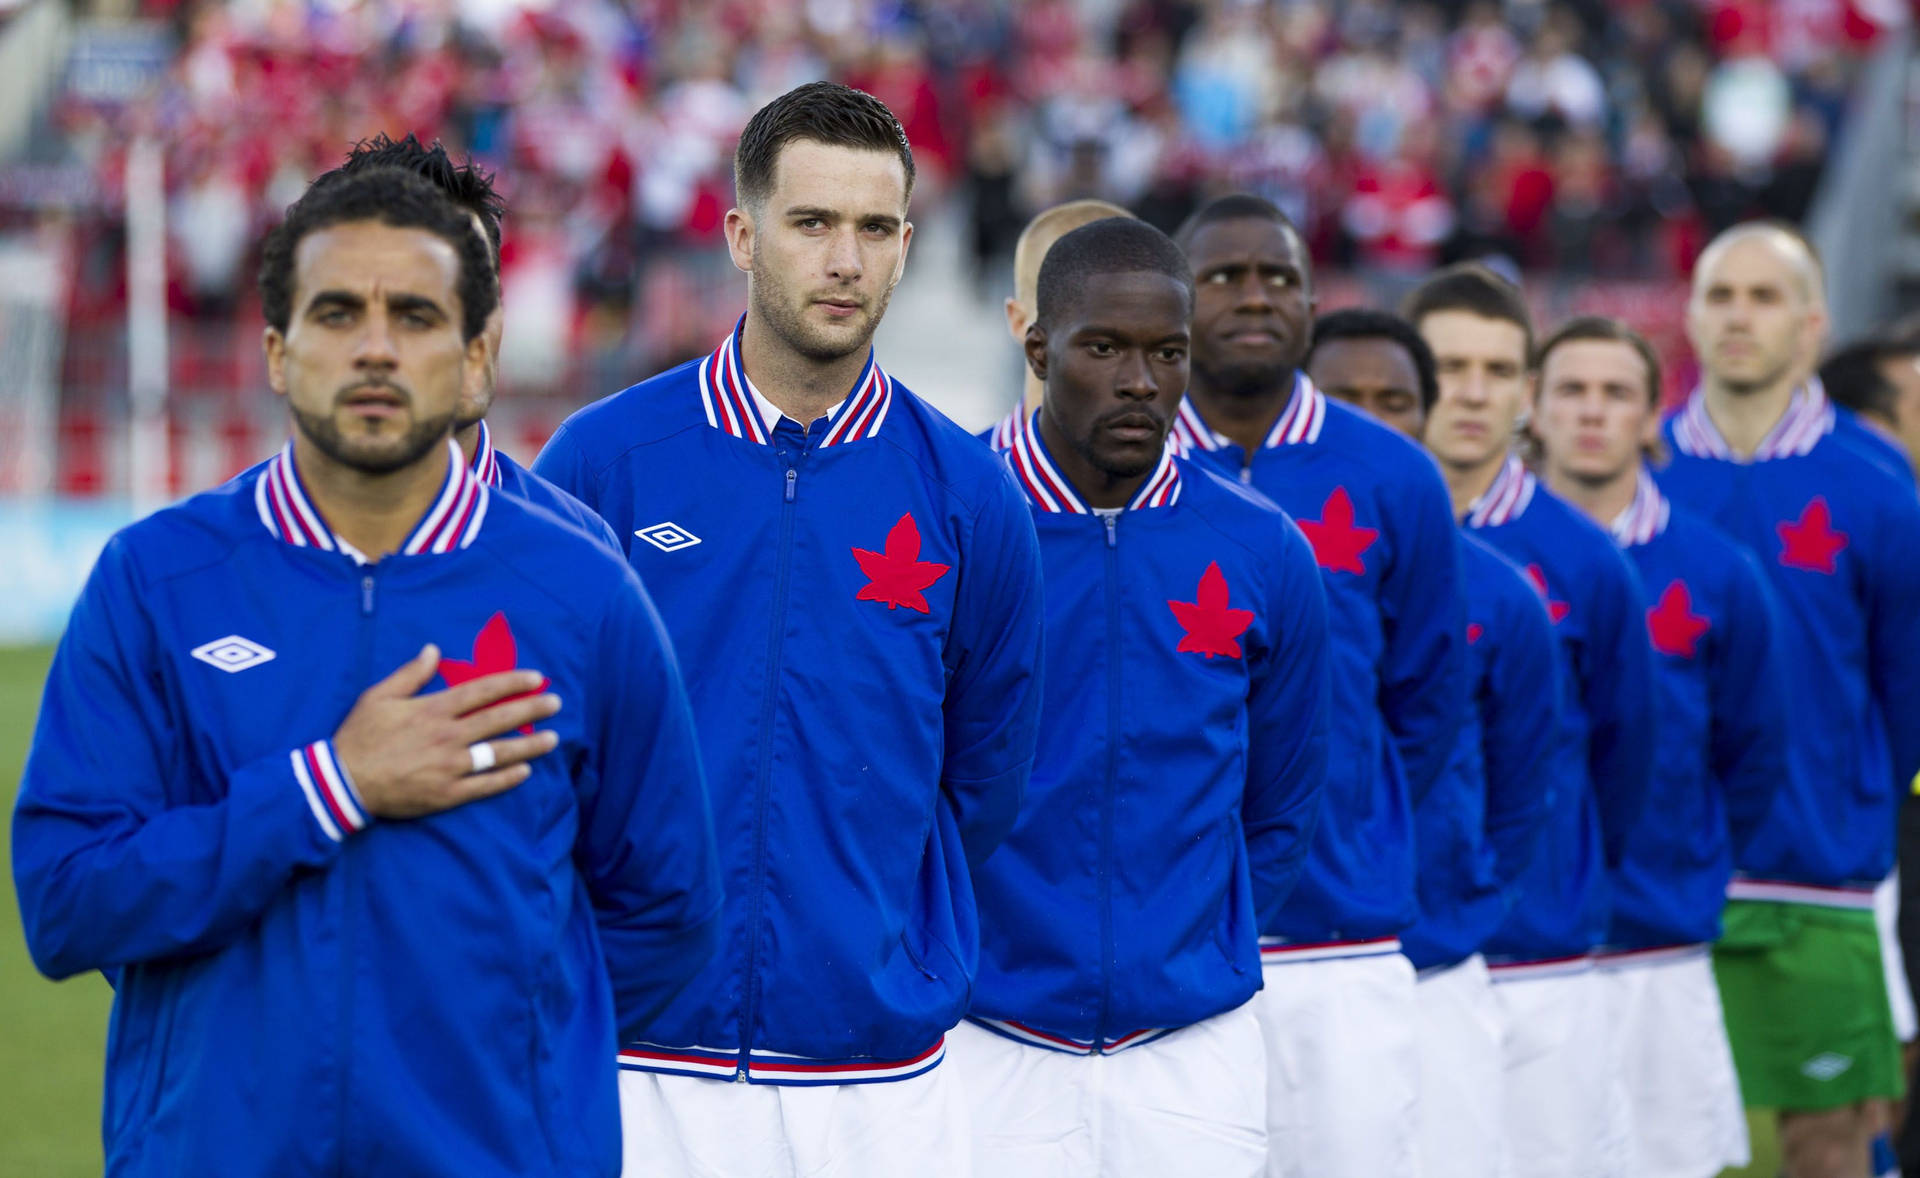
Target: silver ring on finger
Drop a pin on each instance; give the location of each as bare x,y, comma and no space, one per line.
482,754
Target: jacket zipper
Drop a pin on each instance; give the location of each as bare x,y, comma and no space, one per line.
347,889
776,634
1101,1030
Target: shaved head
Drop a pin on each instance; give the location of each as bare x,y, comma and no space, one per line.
1785,242
1049,226
1046,228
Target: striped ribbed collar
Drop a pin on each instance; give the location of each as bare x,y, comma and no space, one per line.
1033,466
1644,518
728,397
1506,499
486,463
1000,437
452,522
1299,423
1809,417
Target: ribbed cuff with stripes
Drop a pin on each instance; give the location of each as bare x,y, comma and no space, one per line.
330,793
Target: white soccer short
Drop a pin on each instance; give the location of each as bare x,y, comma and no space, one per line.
1193,1102
1460,1121
1676,1084
1559,1071
697,1128
1341,1066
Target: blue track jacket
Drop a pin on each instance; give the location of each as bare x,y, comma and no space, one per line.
1478,833
498,470
859,605
1377,514
1838,536
305,990
1721,730
1182,755
1602,764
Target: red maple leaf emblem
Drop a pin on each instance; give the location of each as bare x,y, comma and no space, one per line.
1673,625
1811,542
898,576
1474,631
1212,625
1555,609
1337,544
493,650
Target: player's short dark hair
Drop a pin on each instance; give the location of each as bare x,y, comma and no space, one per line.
1364,323
1475,289
464,182
1853,377
389,196
1116,245
1603,329
821,112
1235,206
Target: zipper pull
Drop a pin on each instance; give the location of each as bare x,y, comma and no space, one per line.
793,476
366,594
1113,523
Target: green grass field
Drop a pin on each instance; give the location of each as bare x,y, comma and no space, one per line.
55,1036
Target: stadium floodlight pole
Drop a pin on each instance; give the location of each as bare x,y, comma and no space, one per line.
147,326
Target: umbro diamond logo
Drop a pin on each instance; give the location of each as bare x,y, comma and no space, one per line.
232,653
1827,1065
668,537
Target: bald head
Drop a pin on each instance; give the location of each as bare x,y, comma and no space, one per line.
1029,252
1038,237
1787,247
1757,315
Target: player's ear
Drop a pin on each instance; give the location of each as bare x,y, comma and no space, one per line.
739,230
474,365
1035,344
900,267
275,346
1018,320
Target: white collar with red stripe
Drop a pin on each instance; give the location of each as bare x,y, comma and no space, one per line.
1809,417
1506,499
486,463
734,406
1001,436
452,522
1033,466
1644,518
1299,423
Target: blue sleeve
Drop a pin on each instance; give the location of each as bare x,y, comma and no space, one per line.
645,845
1618,689
1893,620
1749,702
1423,668
1289,707
563,463
993,672
122,851
1520,720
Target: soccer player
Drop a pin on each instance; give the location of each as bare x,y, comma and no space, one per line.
1180,765
1337,1008
471,190
1760,453
1541,958
855,586
1047,227
1877,381
359,926
1721,749
1476,832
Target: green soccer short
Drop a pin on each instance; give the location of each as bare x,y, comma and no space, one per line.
1805,997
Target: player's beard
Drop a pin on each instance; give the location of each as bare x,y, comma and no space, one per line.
382,458
785,312
1244,382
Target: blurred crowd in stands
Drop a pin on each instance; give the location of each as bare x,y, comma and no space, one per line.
1602,138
